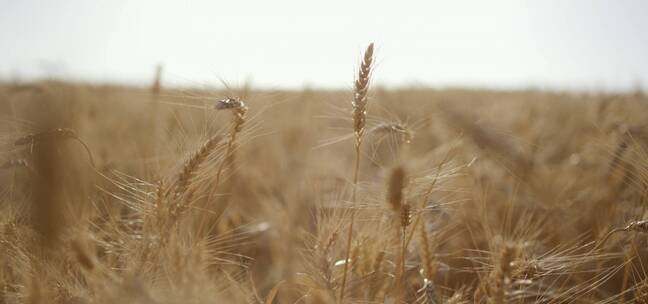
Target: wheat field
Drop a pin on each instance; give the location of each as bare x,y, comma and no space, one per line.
157,194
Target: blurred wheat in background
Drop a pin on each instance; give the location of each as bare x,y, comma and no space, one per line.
126,195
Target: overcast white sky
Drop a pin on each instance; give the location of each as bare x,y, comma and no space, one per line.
575,44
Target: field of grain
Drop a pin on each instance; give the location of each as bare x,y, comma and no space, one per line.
185,195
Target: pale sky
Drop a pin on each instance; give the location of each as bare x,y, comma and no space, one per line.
563,44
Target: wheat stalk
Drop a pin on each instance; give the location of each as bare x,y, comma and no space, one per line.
359,115
395,199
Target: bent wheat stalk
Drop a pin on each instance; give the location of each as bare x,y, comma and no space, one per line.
239,111
636,226
51,135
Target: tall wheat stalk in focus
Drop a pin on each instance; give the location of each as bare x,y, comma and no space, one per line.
359,120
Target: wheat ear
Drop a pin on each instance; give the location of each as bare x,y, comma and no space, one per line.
184,179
